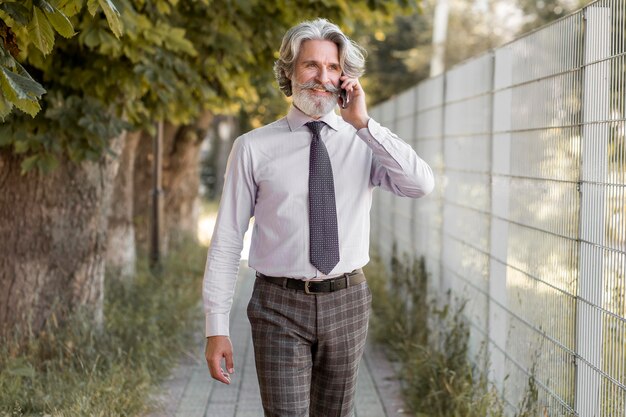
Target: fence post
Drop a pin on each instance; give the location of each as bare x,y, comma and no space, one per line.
445,285
156,229
595,136
386,199
500,186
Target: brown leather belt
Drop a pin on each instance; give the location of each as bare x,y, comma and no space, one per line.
316,287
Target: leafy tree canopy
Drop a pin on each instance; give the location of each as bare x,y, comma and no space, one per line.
34,23
122,64
400,50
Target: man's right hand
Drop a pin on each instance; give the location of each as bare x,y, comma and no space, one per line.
218,347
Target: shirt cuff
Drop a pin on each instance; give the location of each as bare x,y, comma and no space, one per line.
217,325
369,133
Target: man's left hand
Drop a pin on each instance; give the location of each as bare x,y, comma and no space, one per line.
356,111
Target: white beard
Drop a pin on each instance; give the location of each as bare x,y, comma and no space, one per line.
310,104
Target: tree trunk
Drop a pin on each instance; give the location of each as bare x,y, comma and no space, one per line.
181,182
53,239
121,251
223,133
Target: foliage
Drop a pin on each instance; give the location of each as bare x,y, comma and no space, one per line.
32,24
173,60
399,55
73,369
539,13
530,403
400,50
430,343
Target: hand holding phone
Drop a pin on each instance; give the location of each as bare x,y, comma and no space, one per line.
352,102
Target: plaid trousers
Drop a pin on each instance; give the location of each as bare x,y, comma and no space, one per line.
307,348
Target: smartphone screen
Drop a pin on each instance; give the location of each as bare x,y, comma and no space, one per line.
344,98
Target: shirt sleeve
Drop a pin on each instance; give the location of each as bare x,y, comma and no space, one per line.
395,165
222,265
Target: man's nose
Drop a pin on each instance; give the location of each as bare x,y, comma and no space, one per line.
322,76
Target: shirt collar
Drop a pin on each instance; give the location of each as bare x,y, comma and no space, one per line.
296,119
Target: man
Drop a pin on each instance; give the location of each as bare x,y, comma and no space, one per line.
308,180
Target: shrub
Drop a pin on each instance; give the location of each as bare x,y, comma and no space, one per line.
429,343
73,368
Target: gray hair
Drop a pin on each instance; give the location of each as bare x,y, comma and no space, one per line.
351,55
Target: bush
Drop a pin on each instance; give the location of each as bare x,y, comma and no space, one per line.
430,344
74,369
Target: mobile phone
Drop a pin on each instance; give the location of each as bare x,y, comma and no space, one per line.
344,98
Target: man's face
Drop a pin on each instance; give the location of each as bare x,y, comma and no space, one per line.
315,77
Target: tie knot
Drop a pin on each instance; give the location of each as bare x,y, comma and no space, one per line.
315,127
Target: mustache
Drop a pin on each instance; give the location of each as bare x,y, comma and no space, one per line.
311,85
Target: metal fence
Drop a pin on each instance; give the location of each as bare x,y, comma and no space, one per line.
528,219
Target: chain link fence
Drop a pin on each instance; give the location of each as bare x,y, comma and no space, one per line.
528,219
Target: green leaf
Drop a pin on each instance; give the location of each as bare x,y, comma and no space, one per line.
27,165
38,59
69,7
163,7
91,37
21,146
39,90
6,59
175,40
25,88
61,23
47,162
111,13
18,12
5,109
92,7
7,90
40,31
113,16
75,154
43,5
20,91
30,107
6,133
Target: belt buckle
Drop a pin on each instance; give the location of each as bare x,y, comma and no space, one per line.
307,290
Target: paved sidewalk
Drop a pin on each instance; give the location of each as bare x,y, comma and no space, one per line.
190,392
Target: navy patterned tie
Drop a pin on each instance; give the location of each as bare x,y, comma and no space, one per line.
324,239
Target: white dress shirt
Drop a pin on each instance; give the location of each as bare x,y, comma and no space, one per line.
267,177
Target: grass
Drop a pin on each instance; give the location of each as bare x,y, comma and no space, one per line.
74,369
430,344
